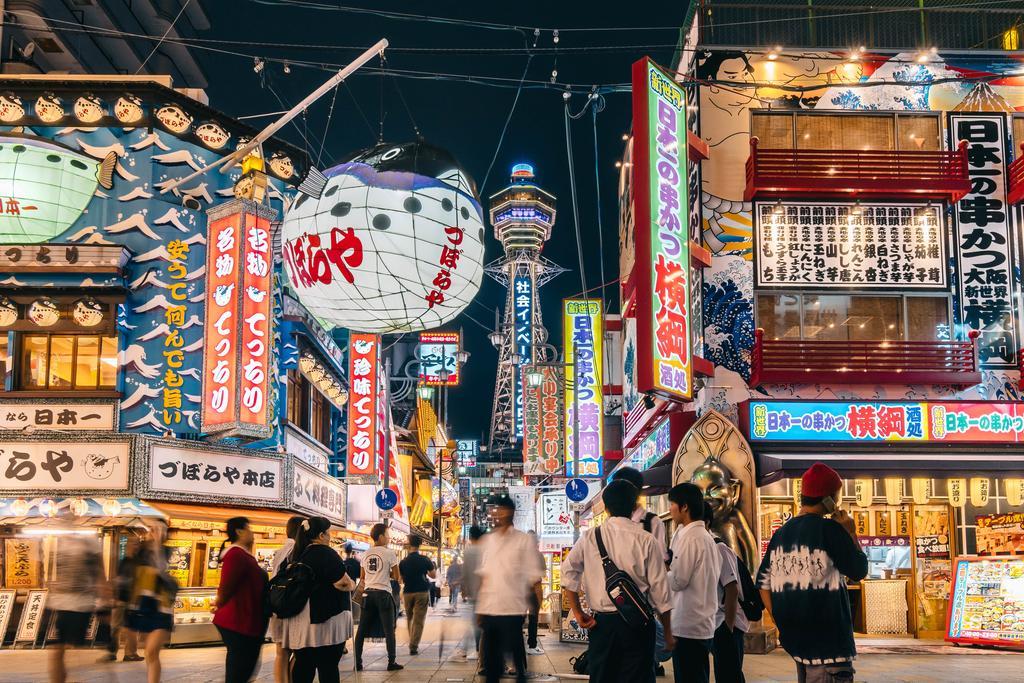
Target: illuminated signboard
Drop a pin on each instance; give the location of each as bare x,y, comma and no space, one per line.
239,338
467,450
522,303
438,352
987,602
542,424
651,449
932,422
584,334
363,355
661,208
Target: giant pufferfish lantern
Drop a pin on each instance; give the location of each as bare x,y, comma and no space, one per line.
392,241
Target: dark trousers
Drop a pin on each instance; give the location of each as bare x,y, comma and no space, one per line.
502,634
531,622
243,654
453,593
317,661
690,660
620,653
378,607
728,655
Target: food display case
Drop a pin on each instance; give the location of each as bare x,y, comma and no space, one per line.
193,618
987,602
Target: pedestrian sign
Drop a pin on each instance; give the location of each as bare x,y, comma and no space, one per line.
576,490
386,499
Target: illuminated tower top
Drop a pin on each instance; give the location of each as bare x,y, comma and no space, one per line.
522,213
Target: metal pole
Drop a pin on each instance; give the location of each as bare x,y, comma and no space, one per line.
262,136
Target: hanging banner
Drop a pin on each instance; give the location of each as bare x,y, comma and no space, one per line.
363,353
543,414
863,492
1014,491
584,387
522,308
980,491
956,491
31,622
921,490
983,239
894,491
21,563
661,206
526,507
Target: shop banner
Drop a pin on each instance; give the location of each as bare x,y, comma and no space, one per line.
312,454
31,617
525,499
554,523
543,414
844,245
64,465
21,563
363,357
215,474
874,421
6,608
58,416
584,387
1000,534
986,606
522,307
438,354
317,493
651,449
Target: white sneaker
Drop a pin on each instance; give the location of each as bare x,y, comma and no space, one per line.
471,656
458,656
535,650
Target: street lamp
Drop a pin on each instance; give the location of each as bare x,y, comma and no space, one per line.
535,377
425,392
463,357
495,338
516,359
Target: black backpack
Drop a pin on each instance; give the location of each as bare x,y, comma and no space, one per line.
751,602
581,663
290,589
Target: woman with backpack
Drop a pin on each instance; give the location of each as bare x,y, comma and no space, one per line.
282,661
316,635
239,607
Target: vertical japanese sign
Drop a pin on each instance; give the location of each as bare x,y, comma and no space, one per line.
522,303
237,353
983,244
584,387
661,208
363,403
542,425
174,316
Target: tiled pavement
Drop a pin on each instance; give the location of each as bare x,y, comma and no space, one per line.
204,664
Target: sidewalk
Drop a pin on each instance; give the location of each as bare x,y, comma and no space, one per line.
195,665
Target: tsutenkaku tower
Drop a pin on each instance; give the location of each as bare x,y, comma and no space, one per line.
522,215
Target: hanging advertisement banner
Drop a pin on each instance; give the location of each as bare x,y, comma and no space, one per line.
984,251
661,208
956,491
522,308
863,492
871,421
525,499
867,246
542,424
584,387
438,354
363,352
239,336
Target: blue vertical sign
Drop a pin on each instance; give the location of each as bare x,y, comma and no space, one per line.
522,303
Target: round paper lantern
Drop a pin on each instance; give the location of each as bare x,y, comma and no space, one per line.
87,312
8,312
43,312
394,241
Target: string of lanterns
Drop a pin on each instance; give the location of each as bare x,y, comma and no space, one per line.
323,379
45,312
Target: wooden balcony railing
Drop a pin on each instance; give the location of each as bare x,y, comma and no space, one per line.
1016,172
775,361
856,173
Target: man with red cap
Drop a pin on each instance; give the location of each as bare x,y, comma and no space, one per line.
801,580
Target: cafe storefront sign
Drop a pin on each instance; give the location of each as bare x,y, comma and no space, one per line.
186,472
318,493
64,465
16,415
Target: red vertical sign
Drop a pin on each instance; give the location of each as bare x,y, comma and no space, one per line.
220,353
256,339
364,404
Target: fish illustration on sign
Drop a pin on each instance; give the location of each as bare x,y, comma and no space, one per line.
49,108
32,168
89,108
128,109
213,135
281,165
11,108
174,118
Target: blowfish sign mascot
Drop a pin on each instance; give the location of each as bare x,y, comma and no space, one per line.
389,241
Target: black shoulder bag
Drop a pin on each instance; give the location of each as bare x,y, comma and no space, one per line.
629,601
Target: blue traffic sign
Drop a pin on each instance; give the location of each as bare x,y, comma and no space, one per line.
386,499
576,490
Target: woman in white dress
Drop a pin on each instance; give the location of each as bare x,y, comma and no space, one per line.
281,555
316,636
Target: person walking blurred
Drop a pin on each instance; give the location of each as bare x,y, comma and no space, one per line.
415,570
122,594
454,579
151,611
238,613
507,573
470,585
618,652
72,594
282,660
536,599
380,568
317,634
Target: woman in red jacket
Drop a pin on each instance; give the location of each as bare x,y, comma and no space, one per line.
239,609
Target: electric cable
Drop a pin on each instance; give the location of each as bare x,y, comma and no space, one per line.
598,107
163,37
508,119
572,192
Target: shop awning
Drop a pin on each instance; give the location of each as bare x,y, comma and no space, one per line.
95,512
216,514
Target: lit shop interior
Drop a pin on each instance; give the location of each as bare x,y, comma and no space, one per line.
913,531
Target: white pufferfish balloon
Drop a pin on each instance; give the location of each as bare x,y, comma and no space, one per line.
393,241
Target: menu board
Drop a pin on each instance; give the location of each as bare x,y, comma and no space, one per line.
179,560
987,602
571,632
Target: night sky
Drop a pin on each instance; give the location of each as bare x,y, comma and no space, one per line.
464,117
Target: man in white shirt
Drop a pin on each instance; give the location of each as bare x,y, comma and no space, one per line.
731,623
641,515
693,576
507,571
618,652
380,567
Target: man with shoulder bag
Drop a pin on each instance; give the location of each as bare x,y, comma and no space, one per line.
622,569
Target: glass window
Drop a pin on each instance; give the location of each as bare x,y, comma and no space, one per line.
779,315
296,407
773,131
928,318
108,363
87,363
917,132
62,356
63,362
847,317
4,357
34,356
319,416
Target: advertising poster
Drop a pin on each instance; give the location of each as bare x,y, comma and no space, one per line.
987,602
265,557
179,560
21,562
542,424
584,387
1000,534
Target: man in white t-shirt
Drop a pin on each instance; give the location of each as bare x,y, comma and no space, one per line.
380,567
731,623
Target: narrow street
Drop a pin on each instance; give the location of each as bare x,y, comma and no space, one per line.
205,664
